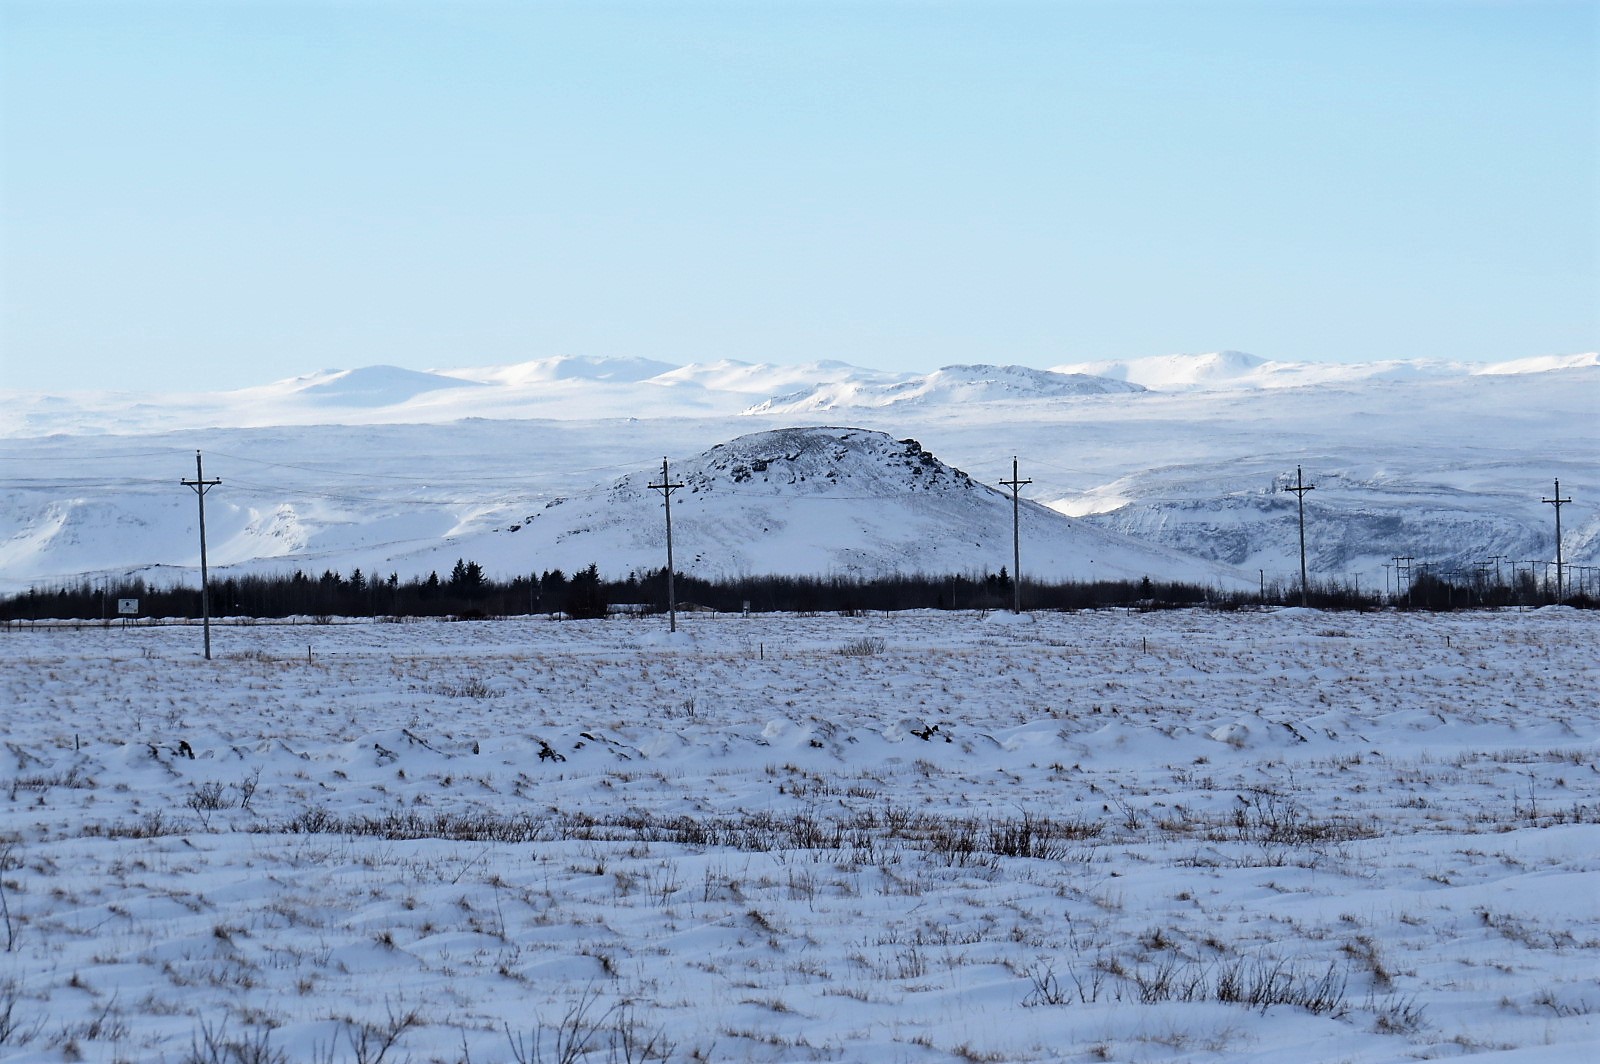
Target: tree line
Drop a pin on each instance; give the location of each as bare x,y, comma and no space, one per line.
467,592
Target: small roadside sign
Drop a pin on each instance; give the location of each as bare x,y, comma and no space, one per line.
127,607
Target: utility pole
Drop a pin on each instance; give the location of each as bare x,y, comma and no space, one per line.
1300,488
666,488
1558,502
1533,576
201,485
1495,560
1016,538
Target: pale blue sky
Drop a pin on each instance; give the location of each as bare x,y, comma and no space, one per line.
216,194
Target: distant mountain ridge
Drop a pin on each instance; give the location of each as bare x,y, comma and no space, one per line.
375,386
1236,371
952,384
564,368
570,387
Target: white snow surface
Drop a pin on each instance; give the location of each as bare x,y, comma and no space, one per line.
1090,836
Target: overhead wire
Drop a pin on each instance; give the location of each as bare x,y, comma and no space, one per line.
99,457
412,478
407,500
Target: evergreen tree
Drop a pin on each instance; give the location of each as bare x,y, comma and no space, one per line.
585,597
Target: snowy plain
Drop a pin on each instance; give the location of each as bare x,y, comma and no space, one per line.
1197,836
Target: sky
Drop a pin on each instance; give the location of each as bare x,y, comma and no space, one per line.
219,194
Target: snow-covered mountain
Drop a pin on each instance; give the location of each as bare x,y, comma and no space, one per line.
952,384
571,387
388,468
1540,364
1231,370
565,368
370,386
563,387
841,501
1174,372
764,378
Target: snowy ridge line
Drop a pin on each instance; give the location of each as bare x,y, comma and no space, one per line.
567,387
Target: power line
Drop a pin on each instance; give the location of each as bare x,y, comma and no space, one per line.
367,475
393,498
98,457
1402,564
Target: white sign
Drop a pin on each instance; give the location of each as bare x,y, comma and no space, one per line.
127,607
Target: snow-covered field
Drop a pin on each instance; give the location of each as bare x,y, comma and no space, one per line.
1283,836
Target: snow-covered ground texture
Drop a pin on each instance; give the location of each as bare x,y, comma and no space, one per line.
1191,836
390,470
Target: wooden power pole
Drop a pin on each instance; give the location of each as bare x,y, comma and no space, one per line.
1016,538
666,488
1558,502
1300,488
201,485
